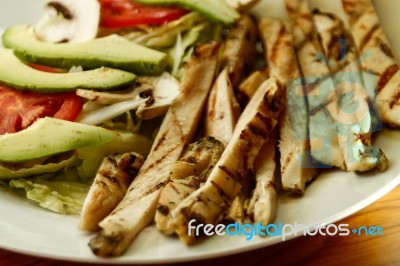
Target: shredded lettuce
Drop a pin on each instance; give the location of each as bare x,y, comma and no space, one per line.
165,36
59,197
182,44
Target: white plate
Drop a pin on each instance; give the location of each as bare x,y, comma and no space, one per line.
28,229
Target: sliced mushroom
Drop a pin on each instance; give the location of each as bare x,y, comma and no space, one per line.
160,92
164,90
69,21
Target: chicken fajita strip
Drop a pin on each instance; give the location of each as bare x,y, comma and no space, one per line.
239,51
320,87
357,119
262,205
188,174
112,180
382,72
296,166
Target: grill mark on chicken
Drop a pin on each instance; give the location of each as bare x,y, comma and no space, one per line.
387,76
164,210
395,100
221,192
110,177
308,38
385,47
277,44
368,37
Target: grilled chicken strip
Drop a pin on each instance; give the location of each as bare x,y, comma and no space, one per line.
356,110
188,174
208,204
223,110
139,205
222,115
239,52
263,202
249,86
295,161
113,178
382,72
320,87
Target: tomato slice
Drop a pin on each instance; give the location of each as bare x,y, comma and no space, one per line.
20,109
44,68
127,13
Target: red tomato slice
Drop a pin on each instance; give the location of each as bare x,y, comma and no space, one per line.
127,13
19,109
44,68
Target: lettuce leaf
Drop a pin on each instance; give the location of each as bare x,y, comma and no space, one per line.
59,197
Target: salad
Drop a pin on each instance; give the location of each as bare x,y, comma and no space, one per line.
132,112
60,182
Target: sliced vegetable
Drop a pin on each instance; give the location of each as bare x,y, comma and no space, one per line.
16,74
49,136
165,36
69,21
112,51
182,44
217,10
126,13
20,109
104,114
164,90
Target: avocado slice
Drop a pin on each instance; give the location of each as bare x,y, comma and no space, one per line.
216,10
16,74
50,136
112,51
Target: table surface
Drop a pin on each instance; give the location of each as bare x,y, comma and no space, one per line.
319,250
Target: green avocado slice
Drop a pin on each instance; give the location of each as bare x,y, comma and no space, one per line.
50,136
20,76
112,51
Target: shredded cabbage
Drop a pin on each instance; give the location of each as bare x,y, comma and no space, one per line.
109,112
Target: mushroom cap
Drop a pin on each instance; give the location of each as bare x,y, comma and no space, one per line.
69,21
